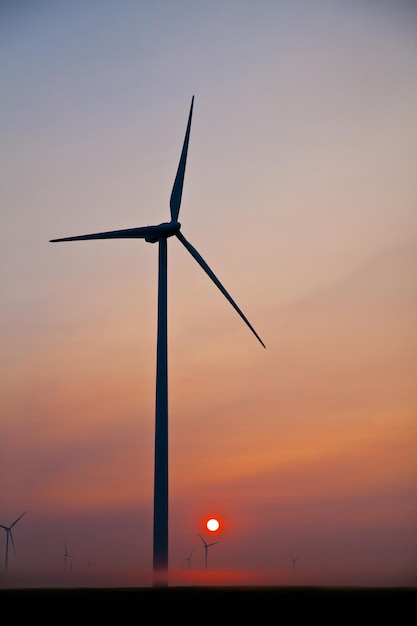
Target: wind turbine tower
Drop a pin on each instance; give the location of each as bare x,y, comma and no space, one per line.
159,234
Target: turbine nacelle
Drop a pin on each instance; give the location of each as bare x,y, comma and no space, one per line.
164,230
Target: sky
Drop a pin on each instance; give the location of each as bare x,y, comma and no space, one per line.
300,193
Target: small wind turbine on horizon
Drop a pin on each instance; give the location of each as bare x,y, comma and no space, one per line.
206,547
159,234
9,534
67,556
188,559
294,559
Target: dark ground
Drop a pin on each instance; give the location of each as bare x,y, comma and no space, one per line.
201,605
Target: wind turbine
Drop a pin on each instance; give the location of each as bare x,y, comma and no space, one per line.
188,559
159,234
67,556
294,559
206,547
9,533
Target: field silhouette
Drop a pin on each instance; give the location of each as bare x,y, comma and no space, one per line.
281,605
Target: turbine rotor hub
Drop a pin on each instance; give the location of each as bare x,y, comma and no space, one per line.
163,231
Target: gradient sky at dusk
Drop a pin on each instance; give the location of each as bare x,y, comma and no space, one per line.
300,193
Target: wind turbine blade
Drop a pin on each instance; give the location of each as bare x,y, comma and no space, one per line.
16,520
205,544
216,281
175,201
134,233
11,539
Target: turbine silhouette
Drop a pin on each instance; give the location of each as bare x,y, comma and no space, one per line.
206,547
9,534
188,559
67,556
159,234
294,559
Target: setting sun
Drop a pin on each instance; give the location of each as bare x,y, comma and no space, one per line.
213,524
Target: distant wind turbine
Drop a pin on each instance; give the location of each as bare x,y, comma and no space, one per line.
9,534
188,559
206,547
67,556
294,559
159,234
